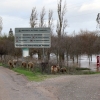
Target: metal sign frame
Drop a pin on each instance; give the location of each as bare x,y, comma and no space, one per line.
32,38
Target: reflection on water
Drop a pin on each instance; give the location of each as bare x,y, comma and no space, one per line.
84,62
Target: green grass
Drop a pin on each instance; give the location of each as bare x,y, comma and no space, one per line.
33,76
0,64
38,76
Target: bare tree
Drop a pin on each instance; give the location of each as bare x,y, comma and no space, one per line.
3,48
42,15
61,25
41,24
87,40
96,46
50,24
54,46
61,22
0,25
50,20
33,17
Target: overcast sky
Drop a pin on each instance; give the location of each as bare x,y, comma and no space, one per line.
81,14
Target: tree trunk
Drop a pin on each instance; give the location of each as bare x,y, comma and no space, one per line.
48,56
77,59
91,57
89,60
67,60
39,55
73,60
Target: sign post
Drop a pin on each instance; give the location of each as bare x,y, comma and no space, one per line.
32,38
25,52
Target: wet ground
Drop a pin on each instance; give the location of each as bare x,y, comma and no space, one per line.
83,62
14,86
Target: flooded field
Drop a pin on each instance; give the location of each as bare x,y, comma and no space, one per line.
83,61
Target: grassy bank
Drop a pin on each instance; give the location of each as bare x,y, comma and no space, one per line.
33,76
38,76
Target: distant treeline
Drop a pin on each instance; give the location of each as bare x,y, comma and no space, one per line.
85,42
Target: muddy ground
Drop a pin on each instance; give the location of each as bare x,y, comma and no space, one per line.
14,86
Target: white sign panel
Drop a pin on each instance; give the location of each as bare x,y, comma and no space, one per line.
32,38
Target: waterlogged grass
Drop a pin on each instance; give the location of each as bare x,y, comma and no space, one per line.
38,76
33,76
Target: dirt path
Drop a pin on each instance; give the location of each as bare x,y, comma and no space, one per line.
79,87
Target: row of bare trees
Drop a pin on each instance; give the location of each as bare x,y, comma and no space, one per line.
85,42
7,47
42,20
60,25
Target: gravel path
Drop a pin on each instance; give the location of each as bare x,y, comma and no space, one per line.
65,87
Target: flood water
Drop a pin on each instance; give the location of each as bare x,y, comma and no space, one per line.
83,61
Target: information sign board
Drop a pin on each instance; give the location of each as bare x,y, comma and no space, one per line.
32,38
